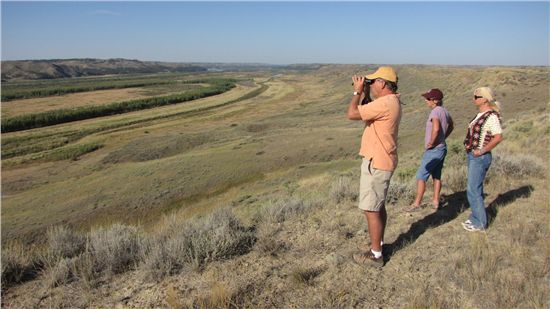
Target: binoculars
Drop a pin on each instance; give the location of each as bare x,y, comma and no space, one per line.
367,82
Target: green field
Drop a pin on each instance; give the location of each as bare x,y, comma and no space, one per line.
274,135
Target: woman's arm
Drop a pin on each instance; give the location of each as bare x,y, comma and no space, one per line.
435,132
492,144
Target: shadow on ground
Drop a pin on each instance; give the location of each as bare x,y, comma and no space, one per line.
456,204
505,199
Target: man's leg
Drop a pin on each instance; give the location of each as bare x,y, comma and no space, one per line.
376,228
384,218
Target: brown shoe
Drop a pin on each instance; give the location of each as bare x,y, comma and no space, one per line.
367,258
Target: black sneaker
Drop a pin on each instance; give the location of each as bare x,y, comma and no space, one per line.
367,258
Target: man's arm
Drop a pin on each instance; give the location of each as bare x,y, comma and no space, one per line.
353,109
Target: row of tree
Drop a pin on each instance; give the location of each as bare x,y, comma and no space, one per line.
46,92
37,120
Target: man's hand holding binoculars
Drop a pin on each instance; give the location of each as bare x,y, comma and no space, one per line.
361,85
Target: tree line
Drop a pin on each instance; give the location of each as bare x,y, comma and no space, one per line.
43,119
18,91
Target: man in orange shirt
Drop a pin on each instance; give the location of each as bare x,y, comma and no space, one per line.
378,149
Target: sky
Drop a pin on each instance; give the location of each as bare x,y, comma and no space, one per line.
442,33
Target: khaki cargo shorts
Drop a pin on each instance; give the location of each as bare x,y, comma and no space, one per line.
373,187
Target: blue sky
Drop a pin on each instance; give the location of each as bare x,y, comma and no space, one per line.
452,33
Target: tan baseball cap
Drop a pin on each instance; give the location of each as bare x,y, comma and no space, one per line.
386,73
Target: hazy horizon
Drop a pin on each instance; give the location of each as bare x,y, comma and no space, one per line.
281,33
291,64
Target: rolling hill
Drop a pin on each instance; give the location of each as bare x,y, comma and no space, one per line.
248,199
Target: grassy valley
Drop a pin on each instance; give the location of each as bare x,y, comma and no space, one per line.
247,197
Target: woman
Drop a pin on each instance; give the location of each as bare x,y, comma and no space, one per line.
438,128
484,133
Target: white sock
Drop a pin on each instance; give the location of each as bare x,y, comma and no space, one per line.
377,254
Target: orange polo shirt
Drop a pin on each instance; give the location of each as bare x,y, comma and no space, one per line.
379,141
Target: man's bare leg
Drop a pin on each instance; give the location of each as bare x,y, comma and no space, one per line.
376,224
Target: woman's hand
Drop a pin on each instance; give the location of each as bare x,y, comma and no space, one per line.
478,153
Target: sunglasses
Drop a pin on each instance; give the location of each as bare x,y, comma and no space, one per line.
477,97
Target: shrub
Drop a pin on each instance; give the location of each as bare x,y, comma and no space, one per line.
267,242
343,189
60,273
280,210
102,252
185,245
18,264
524,127
455,178
115,249
64,242
404,174
516,165
455,147
399,192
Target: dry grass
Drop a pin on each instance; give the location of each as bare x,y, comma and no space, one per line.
165,149
115,249
495,268
185,246
19,263
344,188
295,172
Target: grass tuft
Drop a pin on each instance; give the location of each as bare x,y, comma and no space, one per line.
399,192
64,242
516,165
19,263
280,210
187,245
115,249
344,188
304,276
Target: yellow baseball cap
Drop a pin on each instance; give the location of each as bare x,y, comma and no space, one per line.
386,73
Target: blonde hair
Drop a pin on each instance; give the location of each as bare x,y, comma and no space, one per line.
495,105
488,94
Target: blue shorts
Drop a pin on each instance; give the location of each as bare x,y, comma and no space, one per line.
432,163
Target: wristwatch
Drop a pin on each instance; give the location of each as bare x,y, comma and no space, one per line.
356,93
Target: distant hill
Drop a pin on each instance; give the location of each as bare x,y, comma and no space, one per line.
61,68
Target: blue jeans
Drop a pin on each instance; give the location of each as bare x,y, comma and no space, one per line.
477,169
